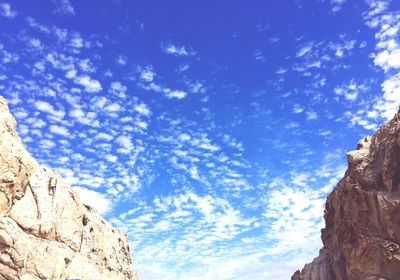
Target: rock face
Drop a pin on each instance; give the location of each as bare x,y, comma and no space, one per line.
45,231
362,233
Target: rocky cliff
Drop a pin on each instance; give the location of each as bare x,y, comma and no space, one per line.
362,216
45,230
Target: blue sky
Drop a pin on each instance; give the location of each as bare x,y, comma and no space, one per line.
210,131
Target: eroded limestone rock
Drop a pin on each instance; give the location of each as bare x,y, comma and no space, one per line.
45,230
362,216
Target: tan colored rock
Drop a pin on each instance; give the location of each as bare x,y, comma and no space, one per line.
362,216
46,232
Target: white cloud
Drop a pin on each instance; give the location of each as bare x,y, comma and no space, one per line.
143,109
337,5
36,43
209,146
184,137
84,118
122,60
360,119
376,7
134,183
147,75
142,124
183,67
311,115
21,114
111,158
46,107
86,65
90,85
388,106
208,222
76,41
46,144
6,11
296,215
323,54
259,55
194,173
60,130
118,89
100,202
351,90
64,7
297,108
388,59
175,50
126,144
104,136
71,74
8,57
341,47
100,102
281,71
155,271
305,49
196,87
113,107
178,94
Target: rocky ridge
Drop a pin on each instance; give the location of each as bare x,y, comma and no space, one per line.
362,215
45,230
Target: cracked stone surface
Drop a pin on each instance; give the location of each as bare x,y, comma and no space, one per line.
362,215
46,232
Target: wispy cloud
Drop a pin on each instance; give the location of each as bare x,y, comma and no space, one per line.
305,49
259,55
175,50
147,74
147,81
351,90
63,7
7,11
337,5
386,57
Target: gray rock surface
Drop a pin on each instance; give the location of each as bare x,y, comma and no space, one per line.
46,232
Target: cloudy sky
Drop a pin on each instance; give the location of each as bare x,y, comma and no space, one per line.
210,131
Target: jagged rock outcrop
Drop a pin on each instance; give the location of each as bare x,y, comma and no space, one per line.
45,230
362,216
